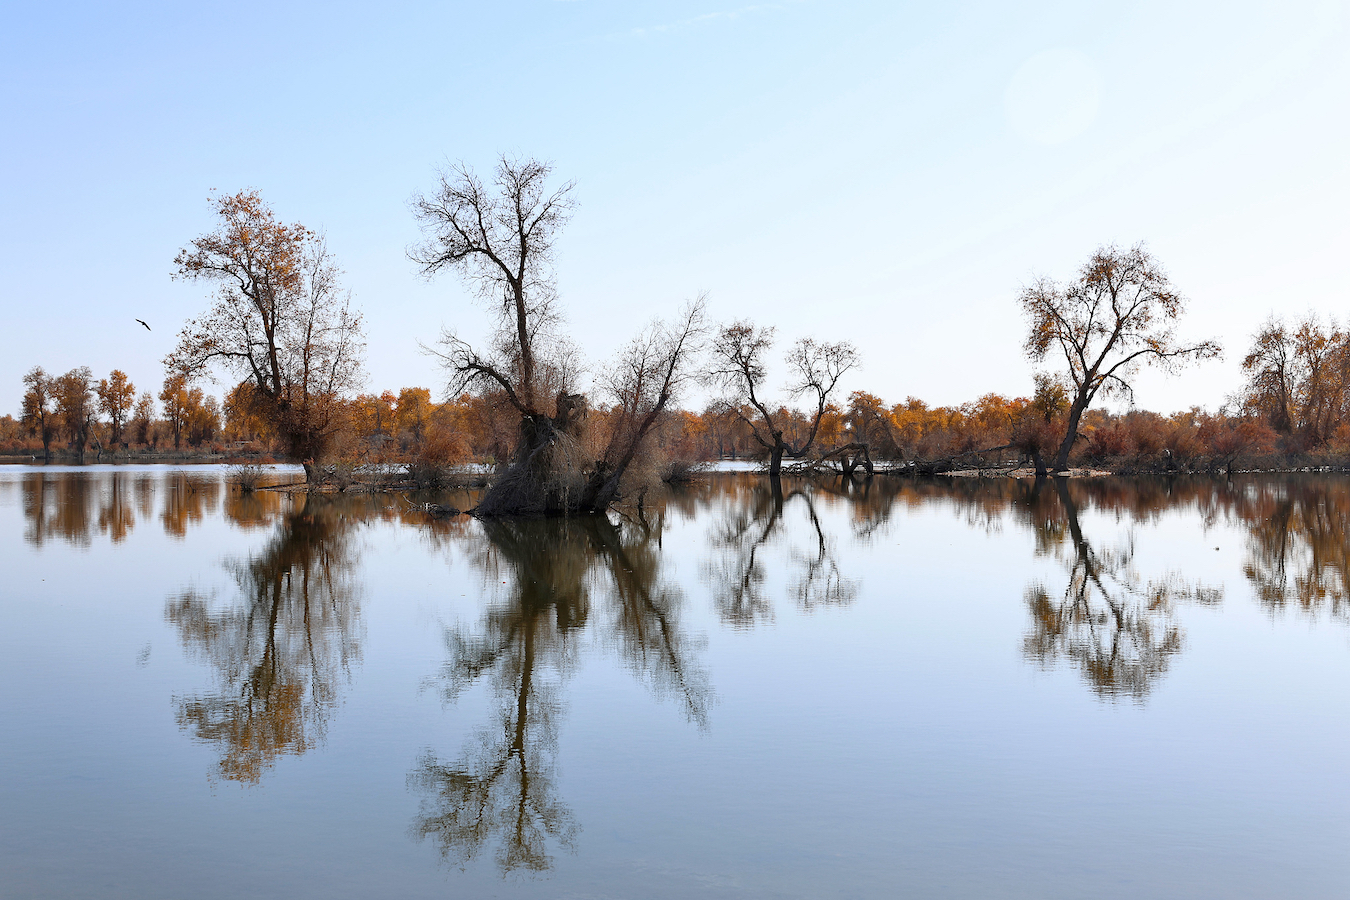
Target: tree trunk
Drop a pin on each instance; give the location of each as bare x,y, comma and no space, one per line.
1070,432
776,460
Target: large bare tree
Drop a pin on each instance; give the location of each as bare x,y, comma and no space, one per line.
281,319
741,367
1118,315
500,239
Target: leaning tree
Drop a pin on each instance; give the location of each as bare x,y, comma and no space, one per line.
1118,315
281,320
500,239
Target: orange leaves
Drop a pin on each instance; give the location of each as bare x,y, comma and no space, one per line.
280,319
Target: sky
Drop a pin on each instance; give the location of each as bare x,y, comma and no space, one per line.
887,173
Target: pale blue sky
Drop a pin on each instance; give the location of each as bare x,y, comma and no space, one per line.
890,173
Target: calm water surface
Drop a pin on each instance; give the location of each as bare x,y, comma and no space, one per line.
1106,688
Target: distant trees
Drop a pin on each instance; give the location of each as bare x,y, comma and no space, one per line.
39,408
116,395
739,364
281,319
70,404
176,399
1118,315
413,409
869,421
188,413
500,239
1298,379
241,412
74,393
143,418
1036,425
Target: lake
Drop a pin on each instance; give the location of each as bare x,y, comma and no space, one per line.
953,688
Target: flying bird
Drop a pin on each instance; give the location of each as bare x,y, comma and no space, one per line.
142,321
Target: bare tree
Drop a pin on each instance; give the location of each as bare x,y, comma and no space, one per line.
739,365
281,319
177,399
648,374
1118,315
501,241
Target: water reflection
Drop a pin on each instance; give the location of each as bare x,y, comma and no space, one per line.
1298,550
74,507
282,649
57,506
1118,630
187,501
116,517
752,521
559,578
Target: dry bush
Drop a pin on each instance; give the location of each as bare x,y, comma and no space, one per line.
437,455
247,476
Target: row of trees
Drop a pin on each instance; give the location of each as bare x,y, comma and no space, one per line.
409,426
282,323
478,427
109,414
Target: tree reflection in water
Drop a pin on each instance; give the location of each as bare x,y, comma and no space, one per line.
57,505
187,500
1119,631
559,577
283,650
1298,545
752,522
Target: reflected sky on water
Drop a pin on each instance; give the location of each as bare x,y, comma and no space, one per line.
956,688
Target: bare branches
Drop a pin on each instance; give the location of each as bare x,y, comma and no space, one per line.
654,367
738,363
649,374
467,369
817,368
739,367
501,242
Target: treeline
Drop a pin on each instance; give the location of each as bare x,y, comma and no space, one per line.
1294,408
75,413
